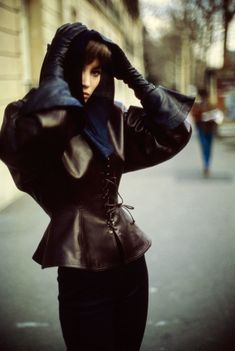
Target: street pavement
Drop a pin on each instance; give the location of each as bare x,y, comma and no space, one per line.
191,221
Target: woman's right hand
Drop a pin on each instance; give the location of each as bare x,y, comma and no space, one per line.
52,66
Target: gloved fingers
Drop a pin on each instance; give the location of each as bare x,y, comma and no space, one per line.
119,61
106,40
56,51
62,28
68,31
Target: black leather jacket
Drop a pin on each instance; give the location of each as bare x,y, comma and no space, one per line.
50,159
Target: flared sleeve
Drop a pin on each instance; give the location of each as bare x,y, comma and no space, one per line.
37,125
152,136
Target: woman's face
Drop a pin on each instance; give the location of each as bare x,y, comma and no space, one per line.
91,74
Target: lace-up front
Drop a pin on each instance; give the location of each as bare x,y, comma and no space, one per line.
111,195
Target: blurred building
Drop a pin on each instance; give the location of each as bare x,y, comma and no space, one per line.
221,86
26,26
170,61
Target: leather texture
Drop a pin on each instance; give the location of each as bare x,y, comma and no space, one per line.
50,159
70,157
152,98
54,60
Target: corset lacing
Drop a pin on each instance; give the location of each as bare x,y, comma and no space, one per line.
110,194
112,206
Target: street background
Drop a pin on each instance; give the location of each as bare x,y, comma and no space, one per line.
191,262
184,45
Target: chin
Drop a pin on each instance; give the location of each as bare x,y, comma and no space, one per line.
86,98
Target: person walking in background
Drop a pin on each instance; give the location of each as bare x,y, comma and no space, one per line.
205,116
67,144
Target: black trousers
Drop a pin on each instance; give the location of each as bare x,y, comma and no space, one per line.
104,311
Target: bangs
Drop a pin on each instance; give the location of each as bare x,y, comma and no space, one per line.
97,50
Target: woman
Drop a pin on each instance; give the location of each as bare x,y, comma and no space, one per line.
67,144
206,128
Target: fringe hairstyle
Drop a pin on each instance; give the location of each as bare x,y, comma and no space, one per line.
97,50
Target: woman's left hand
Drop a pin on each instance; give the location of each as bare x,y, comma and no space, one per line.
121,66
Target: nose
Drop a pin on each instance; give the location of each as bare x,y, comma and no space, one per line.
85,79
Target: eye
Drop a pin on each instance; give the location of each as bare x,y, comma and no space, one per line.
96,72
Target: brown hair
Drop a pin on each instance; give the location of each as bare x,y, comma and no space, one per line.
97,50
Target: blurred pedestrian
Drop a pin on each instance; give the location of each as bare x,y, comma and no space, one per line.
67,144
205,116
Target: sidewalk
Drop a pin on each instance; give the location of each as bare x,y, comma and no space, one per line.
191,262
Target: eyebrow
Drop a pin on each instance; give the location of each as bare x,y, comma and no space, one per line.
97,67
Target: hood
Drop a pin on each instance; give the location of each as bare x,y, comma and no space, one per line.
100,105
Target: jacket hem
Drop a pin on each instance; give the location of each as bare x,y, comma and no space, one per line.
96,269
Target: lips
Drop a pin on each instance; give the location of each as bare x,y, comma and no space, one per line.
86,95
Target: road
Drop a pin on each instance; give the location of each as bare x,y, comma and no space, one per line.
191,262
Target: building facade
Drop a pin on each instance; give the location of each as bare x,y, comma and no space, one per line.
26,26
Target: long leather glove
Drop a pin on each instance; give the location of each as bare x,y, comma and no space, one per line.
169,107
52,66
53,90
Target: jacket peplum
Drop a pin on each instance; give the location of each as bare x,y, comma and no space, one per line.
51,159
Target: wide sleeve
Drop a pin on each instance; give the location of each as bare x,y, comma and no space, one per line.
37,126
153,137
